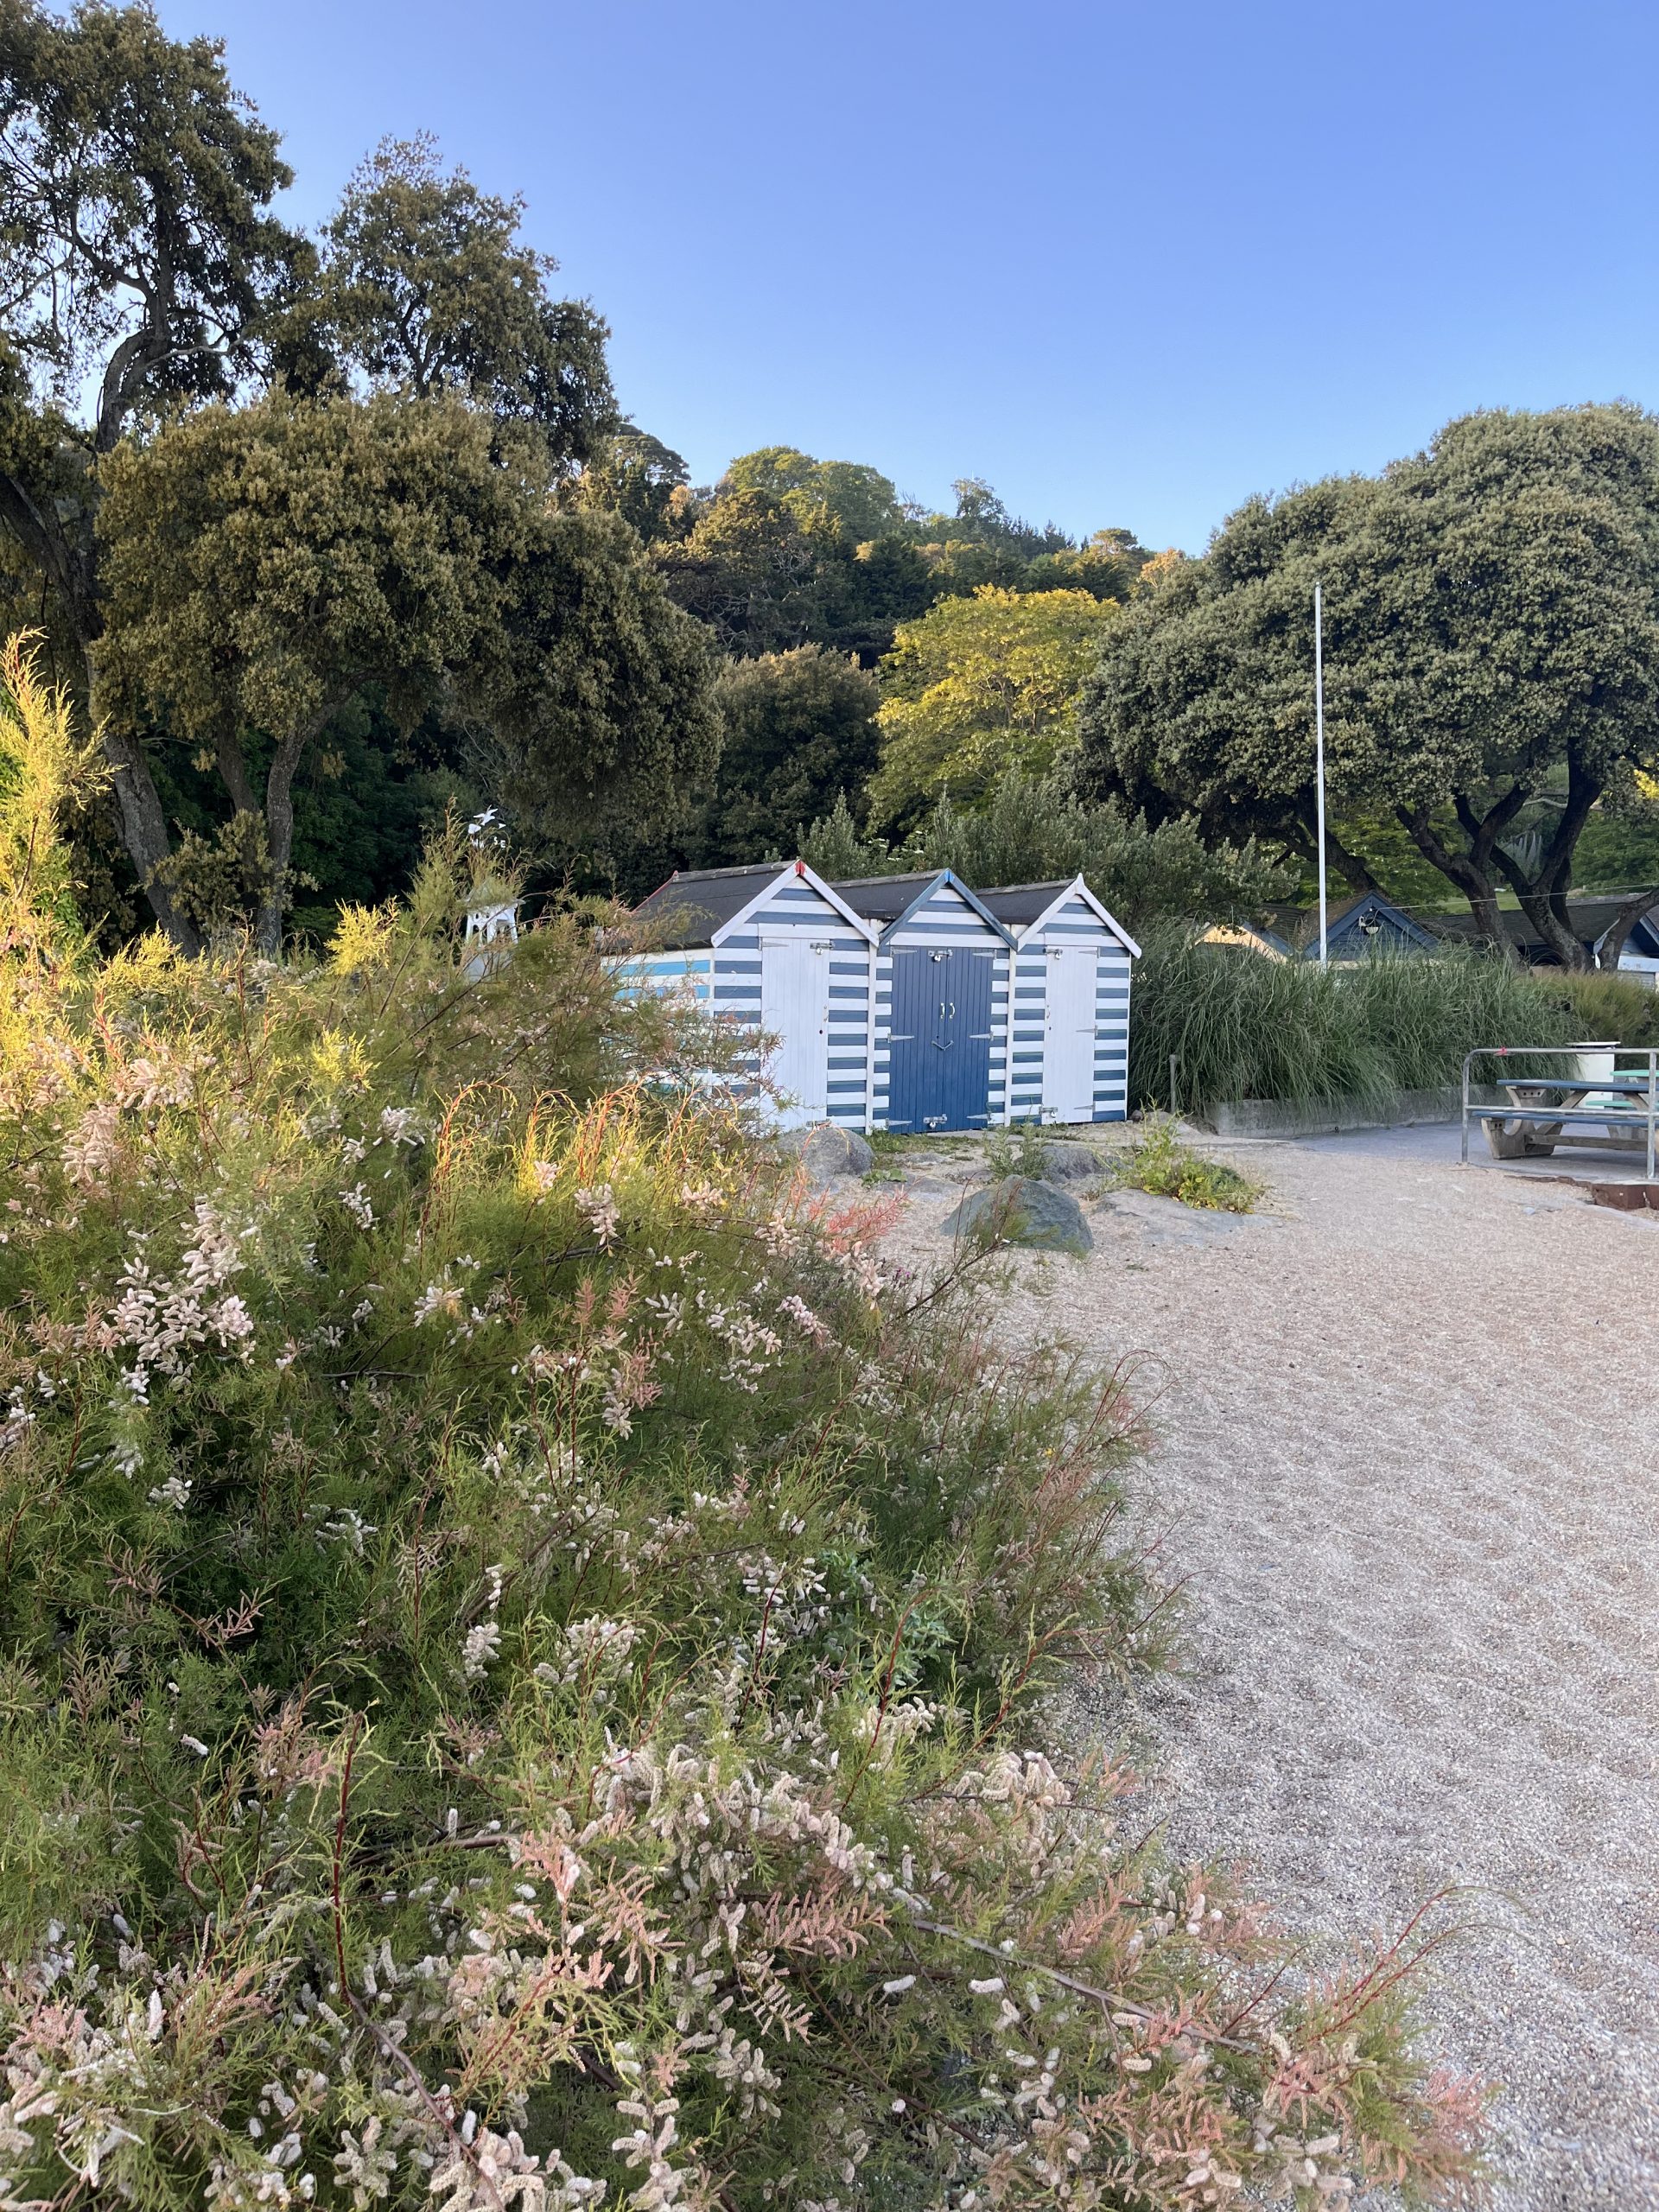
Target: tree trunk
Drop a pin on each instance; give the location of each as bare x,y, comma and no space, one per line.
279,823
143,832
144,825
1349,867
1471,872
279,841
1610,949
1544,899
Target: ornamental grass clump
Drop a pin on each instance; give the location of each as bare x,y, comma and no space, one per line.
522,1646
1241,1025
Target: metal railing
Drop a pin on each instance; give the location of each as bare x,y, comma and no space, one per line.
1624,1082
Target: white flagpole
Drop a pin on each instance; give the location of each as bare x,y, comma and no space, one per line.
1318,754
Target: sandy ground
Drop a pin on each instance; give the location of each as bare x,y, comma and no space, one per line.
1408,1458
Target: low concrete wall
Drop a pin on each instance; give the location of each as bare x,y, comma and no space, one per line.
1283,1117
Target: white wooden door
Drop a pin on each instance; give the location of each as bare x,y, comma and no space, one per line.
1068,1034
795,1011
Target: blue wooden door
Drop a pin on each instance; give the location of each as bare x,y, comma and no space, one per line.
964,1052
910,1040
939,1040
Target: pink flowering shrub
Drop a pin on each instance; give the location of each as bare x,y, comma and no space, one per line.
519,1656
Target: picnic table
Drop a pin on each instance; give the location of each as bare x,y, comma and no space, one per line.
1540,1111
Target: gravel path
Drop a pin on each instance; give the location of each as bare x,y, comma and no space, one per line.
1407,1456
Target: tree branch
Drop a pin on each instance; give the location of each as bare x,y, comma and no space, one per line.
1474,881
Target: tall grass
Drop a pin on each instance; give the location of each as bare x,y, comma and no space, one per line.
1242,1027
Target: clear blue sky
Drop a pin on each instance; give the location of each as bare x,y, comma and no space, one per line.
1129,263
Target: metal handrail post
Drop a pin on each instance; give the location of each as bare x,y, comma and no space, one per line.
1466,1060
1653,1075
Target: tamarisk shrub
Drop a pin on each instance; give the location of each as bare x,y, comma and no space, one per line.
521,1654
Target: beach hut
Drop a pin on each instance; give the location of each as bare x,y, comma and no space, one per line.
774,948
1355,929
940,1036
1068,1015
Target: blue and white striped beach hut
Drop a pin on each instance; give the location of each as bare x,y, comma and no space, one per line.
774,948
941,1020
1068,1018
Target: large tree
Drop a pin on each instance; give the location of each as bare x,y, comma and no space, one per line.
632,475
1491,658
980,687
265,564
759,575
799,729
857,500
594,696
143,277
139,266
426,288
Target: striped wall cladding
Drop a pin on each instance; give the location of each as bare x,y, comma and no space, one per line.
1031,935
946,920
736,986
1073,923
722,976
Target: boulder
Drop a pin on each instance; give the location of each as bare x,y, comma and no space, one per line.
1070,1163
826,1151
1023,1211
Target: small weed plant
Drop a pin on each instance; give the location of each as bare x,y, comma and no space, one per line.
1160,1164
522,1644
1016,1150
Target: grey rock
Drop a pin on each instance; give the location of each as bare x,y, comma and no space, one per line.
1070,1163
1023,1211
826,1151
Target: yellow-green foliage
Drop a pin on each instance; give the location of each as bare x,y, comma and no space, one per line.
43,764
980,686
517,1645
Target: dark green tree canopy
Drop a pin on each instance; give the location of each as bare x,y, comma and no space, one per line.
799,730
761,579
634,475
137,250
1492,655
266,564
594,693
428,288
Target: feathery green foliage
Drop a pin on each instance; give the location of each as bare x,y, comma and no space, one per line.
1029,830
44,770
519,1641
1242,1026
